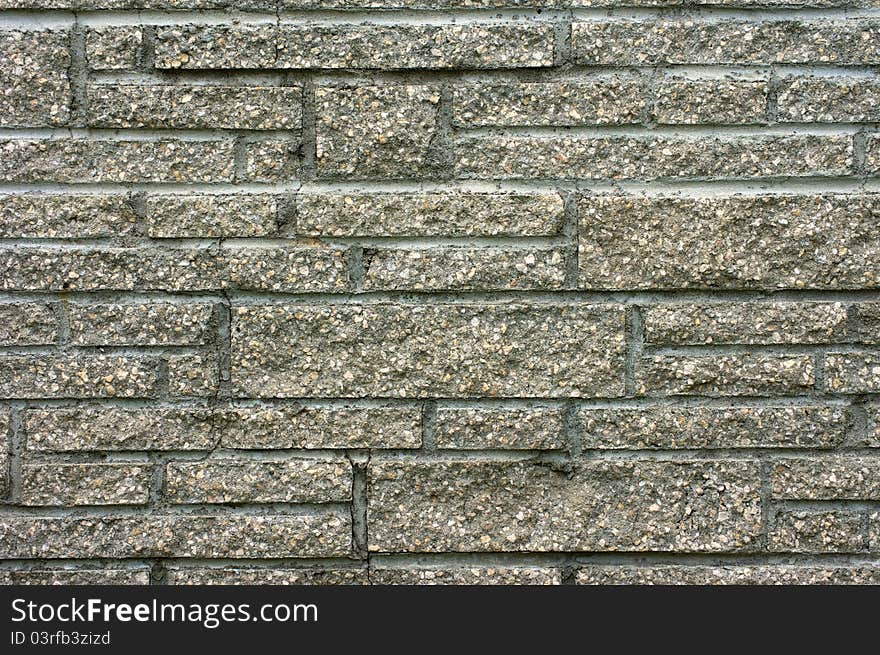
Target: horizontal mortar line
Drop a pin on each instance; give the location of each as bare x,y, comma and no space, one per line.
508,242
818,505
781,349
204,404
590,455
96,564
129,350
214,456
72,565
202,510
665,131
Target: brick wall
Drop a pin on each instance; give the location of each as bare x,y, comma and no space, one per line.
551,291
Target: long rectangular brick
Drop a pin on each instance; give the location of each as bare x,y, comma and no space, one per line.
237,575
85,484
689,41
751,242
758,574
34,89
528,506
840,478
453,45
389,350
141,324
185,535
653,157
746,323
712,427
464,268
209,107
538,428
448,214
856,372
469,575
829,99
750,374
78,376
104,160
229,481
65,215
719,101
28,324
54,576
203,216
833,531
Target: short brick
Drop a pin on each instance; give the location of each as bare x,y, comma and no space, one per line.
470,575
233,575
872,154
28,324
228,481
85,484
195,107
826,100
116,47
713,427
740,242
194,375
722,101
745,323
690,41
34,90
874,532
457,268
104,576
835,531
5,422
388,350
529,506
185,535
204,216
142,324
597,101
649,157
839,478
377,131
749,374
272,160
60,216
868,322
852,372
78,376
293,268
88,160
538,428
429,214
760,574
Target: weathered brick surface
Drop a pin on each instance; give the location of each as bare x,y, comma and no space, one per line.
729,575
28,324
140,325
196,375
821,100
840,478
85,484
533,428
687,102
181,216
265,576
106,576
34,89
4,450
853,372
78,376
833,531
60,216
113,47
491,575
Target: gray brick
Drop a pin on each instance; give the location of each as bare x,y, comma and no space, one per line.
296,480
195,107
649,157
838,478
87,160
713,427
456,268
273,160
377,131
719,101
293,268
77,376
852,372
872,154
761,574
749,374
196,375
60,216
233,575
528,506
85,484
872,436
188,535
874,532
601,100
825,100
34,90
116,47
746,323
834,531
538,428
452,45
142,324
470,575
104,576
27,324
751,242
869,322
204,216
5,422
429,214
389,350
690,41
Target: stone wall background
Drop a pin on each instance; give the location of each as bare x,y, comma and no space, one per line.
451,291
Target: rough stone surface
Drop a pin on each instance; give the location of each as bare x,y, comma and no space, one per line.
872,437
783,574
116,47
4,450
539,428
838,478
713,427
291,481
834,531
872,154
143,324
464,268
34,89
529,506
61,216
388,350
105,576
195,375
853,372
28,324
869,322
204,216
78,376
747,242
272,160
264,576
825,100
711,101
85,484
482,575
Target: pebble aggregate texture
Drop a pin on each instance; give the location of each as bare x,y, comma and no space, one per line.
440,292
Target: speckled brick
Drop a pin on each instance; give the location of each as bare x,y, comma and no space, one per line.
85,484
837,478
114,47
205,216
64,215
833,531
34,89
78,376
760,574
196,375
872,437
826,100
535,428
712,101
272,160
466,575
712,427
872,154
28,324
4,449
869,322
142,324
528,506
234,575
856,372
294,480
52,576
